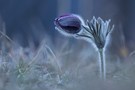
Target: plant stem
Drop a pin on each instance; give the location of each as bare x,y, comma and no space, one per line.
102,64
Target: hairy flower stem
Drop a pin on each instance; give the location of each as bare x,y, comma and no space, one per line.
102,64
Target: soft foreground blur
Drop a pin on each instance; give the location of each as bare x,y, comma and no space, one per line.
63,64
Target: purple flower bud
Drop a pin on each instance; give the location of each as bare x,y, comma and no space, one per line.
69,23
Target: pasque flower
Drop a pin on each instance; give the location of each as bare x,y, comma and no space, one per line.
96,31
70,24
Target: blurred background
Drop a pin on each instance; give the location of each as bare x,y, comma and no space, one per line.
32,20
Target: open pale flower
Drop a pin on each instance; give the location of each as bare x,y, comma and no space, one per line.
97,31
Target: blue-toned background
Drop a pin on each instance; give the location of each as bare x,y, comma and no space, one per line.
27,20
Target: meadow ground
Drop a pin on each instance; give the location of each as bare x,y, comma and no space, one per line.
63,64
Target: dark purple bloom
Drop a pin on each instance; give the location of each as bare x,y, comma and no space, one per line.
68,23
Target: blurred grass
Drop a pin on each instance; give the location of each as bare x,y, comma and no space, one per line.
67,64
